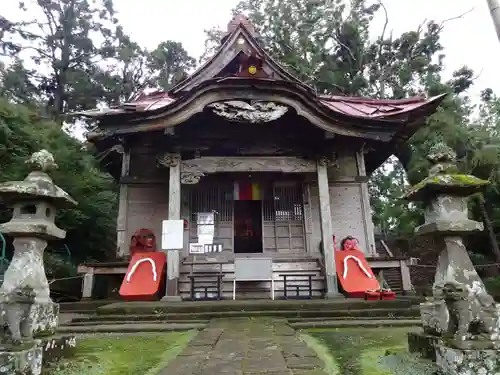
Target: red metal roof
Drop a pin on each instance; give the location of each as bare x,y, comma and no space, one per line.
373,108
352,106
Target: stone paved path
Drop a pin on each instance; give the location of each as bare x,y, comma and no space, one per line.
246,347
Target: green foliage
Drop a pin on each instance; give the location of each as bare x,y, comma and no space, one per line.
91,225
391,214
58,266
82,56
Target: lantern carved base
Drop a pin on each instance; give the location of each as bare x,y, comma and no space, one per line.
21,360
45,318
454,361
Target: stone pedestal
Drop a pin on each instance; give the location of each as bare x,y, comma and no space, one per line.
26,309
461,323
25,360
453,361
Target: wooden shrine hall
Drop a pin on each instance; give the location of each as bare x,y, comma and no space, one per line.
263,170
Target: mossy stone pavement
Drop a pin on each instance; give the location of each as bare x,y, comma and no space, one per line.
246,346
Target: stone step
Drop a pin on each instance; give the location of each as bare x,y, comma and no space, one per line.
86,305
158,321
135,327
145,321
350,318
380,313
135,308
355,323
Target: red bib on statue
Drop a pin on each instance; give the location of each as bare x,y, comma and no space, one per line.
144,278
354,274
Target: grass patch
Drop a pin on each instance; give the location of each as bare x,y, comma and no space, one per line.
365,351
125,354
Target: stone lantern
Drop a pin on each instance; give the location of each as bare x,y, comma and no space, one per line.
461,323
26,307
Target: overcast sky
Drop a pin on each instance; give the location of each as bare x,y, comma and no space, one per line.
470,40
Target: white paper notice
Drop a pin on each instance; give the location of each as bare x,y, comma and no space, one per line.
196,248
172,235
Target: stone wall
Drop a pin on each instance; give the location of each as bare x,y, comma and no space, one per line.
147,207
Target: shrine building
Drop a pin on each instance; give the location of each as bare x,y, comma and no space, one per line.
258,165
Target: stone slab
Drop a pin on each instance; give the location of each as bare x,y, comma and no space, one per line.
182,366
307,363
246,347
357,323
151,327
196,351
280,372
299,351
269,360
309,372
453,361
221,366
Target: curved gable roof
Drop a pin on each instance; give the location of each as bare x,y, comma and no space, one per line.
241,39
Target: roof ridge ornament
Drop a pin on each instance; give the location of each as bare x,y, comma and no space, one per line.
241,19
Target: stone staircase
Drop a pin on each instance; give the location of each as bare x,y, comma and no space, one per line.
161,317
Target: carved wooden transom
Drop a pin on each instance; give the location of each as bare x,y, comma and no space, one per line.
253,112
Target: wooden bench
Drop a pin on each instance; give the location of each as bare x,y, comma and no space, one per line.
210,280
291,284
252,270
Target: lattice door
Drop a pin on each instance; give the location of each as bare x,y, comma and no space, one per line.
213,197
284,218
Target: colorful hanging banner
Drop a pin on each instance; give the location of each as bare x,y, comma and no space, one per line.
245,191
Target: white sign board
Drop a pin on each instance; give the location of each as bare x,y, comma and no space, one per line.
196,248
172,234
205,218
206,230
205,239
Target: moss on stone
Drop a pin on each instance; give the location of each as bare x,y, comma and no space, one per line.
231,307
375,351
331,366
114,354
444,183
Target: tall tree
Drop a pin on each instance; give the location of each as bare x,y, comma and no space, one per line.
61,41
326,43
90,226
168,63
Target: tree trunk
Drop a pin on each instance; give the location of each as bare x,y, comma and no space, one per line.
488,225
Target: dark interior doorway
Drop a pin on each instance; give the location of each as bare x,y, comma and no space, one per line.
247,227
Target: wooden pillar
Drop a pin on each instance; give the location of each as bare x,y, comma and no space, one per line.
122,240
365,207
405,277
308,225
174,213
332,289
